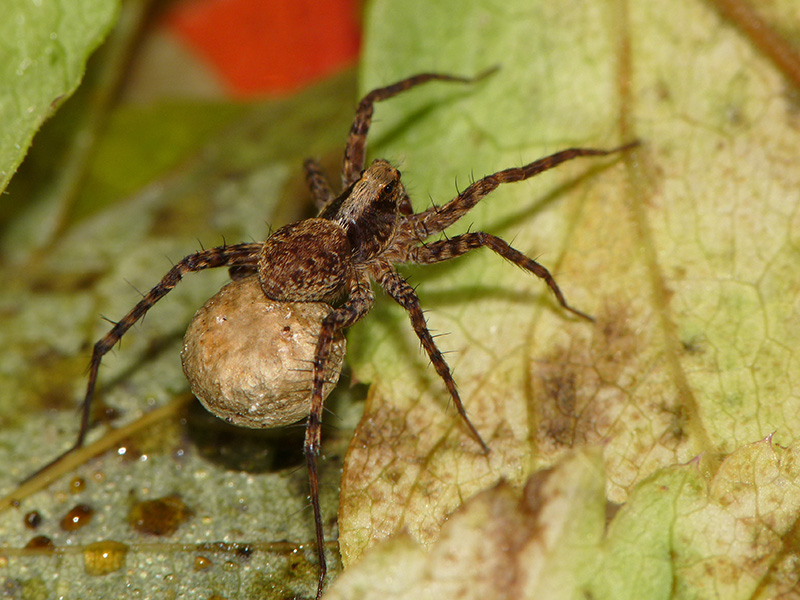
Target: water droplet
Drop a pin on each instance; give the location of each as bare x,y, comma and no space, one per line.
77,485
78,517
102,558
201,563
33,519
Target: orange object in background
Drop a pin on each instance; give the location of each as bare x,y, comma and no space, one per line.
260,47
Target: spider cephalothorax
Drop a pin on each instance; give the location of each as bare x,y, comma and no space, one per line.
356,238
315,259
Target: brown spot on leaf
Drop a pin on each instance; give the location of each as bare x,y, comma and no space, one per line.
613,386
161,516
40,542
49,382
784,574
64,282
580,388
534,493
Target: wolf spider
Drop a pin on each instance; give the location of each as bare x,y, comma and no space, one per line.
357,237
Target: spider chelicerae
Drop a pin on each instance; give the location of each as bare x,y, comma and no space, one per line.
357,237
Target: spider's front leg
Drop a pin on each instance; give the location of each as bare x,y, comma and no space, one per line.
358,304
399,289
237,255
461,244
438,218
357,140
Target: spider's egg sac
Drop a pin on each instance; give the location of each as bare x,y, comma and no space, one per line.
249,359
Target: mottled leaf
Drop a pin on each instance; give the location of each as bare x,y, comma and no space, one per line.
685,251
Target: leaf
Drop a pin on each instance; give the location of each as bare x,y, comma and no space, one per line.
45,48
679,535
684,250
486,549
165,179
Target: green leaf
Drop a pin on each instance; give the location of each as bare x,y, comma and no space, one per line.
44,51
684,250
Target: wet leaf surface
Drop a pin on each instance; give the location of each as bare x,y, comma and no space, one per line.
247,490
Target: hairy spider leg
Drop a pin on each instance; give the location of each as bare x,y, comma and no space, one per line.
317,183
354,152
357,305
461,244
438,218
222,256
402,293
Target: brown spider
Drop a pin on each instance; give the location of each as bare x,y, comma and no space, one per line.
357,237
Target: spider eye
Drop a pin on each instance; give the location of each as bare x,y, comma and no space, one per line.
389,188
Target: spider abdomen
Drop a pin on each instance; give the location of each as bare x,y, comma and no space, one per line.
307,261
